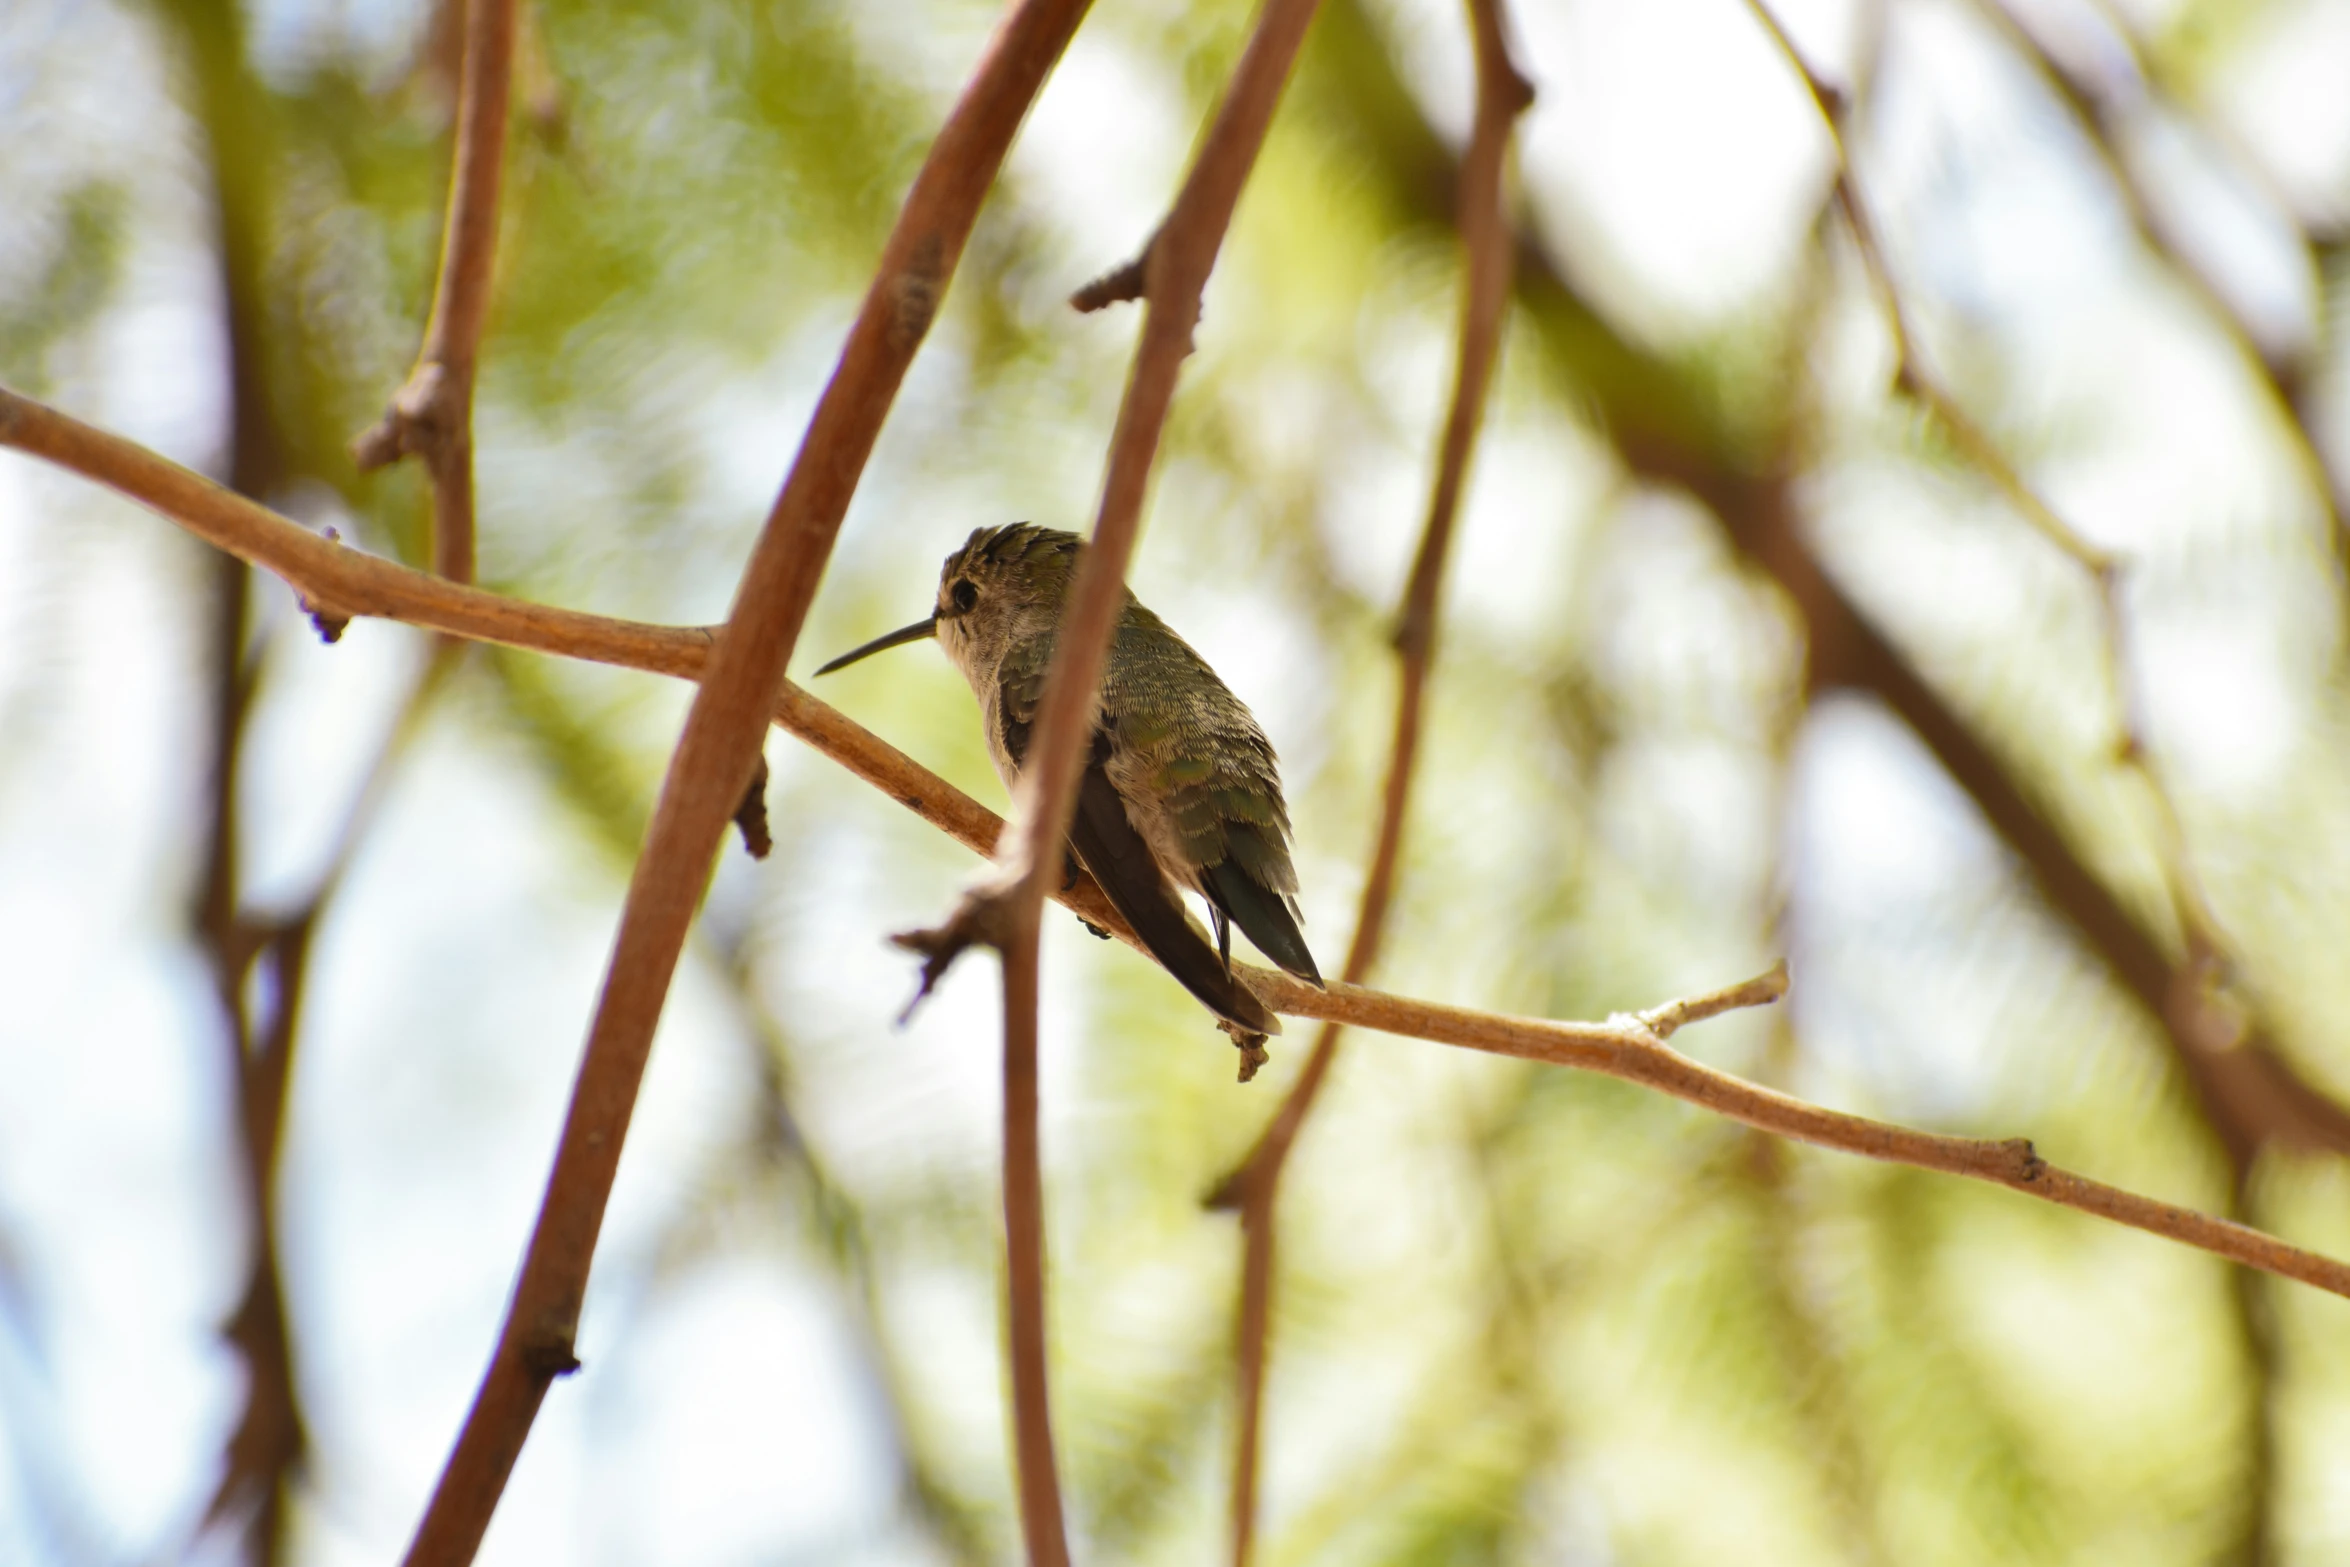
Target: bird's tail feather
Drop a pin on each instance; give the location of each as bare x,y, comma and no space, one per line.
1118,858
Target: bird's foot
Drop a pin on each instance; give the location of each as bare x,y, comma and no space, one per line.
1251,1046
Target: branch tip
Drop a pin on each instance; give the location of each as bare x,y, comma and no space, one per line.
750,817
1115,286
1250,1044
1760,991
978,920
1229,1195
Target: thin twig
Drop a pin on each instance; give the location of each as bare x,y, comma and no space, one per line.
1002,907
432,415
2249,1090
2289,374
265,1448
1667,432
1488,250
1626,1048
1041,1520
714,757
270,1437
1912,376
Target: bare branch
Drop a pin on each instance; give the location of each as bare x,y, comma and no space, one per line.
2192,909
1488,247
2248,1090
265,1448
714,757
1041,1520
1002,907
324,574
1626,1048
432,415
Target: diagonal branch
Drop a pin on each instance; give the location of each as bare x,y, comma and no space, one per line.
2290,374
432,415
270,1438
2247,1091
1631,1048
1488,250
714,758
266,1447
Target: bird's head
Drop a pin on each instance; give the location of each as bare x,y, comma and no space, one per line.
1003,587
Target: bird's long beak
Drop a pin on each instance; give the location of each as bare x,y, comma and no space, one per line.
898,638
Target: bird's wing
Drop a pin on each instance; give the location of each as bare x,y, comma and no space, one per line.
1129,875
1211,774
1263,914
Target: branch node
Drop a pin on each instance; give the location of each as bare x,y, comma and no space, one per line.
1834,101
1230,1195
2029,1166
979,920
547,1356
416,424
1517,90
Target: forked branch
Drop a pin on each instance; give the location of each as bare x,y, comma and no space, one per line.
1003,906
714,759
432,415
1489,252
1915,379
1628,1048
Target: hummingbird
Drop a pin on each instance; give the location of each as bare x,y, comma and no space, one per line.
1180,789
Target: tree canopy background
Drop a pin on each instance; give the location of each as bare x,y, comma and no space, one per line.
1718,580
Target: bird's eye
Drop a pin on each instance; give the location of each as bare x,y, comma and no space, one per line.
965,594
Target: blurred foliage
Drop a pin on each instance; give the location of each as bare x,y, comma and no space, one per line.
1522,1316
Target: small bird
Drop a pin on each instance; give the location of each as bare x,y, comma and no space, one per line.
1180,789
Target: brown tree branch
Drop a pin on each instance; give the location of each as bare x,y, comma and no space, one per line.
2250,1094
1488,248
1042,1523
269,1439
713,761
2252,1091
1002,908
266,1446
432,415
1626,1047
